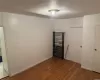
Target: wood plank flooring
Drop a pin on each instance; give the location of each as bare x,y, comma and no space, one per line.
56,69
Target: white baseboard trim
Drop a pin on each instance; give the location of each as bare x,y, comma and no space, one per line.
13,74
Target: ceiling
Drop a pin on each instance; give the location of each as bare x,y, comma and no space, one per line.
68,8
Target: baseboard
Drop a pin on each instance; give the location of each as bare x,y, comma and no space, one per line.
72,60
87,68
29,67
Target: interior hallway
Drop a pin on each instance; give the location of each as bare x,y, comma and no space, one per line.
56,69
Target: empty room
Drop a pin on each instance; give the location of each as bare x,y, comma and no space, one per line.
49,40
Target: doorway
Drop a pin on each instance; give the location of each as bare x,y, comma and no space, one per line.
3,56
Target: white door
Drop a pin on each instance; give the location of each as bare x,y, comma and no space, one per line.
96,56
75,44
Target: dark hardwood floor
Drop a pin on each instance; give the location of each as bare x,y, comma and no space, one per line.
56,69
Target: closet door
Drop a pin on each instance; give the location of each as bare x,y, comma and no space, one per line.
75,44
96,56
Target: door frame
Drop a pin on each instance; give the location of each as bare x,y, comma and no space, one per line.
4,42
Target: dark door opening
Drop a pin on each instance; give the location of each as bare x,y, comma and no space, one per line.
58,44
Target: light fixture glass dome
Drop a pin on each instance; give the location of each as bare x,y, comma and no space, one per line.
53,11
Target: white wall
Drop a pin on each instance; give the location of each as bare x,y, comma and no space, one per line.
63,25
0,54
89,23
0,40
28,41
0,19
0,29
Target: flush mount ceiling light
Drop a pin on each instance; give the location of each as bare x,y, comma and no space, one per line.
53,11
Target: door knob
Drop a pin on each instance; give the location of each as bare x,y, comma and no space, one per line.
81,46
95,49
